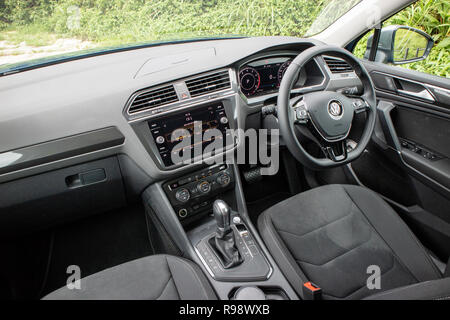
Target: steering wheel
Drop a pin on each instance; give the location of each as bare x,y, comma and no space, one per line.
326,115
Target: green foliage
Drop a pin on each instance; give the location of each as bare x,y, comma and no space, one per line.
114,22
437,63
431,16
139,20
333,11
24,12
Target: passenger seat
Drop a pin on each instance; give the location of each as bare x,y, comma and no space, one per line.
162,277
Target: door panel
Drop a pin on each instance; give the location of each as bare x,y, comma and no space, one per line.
408,161
416,129
424,128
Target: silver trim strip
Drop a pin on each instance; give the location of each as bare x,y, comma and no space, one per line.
424,94
204,263
423,84
269,274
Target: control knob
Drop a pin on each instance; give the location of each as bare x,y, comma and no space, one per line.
223,179
204,187
182,195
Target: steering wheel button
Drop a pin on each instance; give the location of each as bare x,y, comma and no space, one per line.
224,120
300,113
160,139
359,105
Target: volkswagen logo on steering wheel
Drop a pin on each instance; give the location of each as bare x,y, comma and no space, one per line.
335,109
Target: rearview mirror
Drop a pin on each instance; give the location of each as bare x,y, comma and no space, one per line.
401,44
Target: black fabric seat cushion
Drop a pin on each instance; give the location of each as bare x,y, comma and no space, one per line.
161,277
428,290
331,235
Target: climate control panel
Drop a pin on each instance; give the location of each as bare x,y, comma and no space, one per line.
195,193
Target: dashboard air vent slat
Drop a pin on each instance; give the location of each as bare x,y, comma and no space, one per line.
152,99
209,83
337,65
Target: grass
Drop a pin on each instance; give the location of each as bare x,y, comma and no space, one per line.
117,22
32,35
120,21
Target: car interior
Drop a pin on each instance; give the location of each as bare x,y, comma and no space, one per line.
89,185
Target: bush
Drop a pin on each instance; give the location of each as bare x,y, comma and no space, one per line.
112,22
431,16
139,20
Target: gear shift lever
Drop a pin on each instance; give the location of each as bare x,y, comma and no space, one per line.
221,212
224,241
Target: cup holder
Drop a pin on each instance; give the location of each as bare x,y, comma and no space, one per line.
258,293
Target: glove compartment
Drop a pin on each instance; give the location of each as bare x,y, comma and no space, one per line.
59,196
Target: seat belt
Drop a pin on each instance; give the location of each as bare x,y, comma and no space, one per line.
311,291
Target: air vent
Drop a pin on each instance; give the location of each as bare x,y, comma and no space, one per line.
209,83
337,65
153,98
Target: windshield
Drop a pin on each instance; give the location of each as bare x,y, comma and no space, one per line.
43,31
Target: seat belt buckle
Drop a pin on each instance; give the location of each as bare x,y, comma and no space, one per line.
311,291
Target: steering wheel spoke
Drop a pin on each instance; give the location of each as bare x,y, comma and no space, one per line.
336,151
359,104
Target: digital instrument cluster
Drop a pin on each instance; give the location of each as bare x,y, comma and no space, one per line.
263,76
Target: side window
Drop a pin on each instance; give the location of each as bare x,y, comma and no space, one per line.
431,17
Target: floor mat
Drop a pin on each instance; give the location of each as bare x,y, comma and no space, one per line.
24,261
98,243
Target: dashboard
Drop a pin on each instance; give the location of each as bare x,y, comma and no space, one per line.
96,107
105,125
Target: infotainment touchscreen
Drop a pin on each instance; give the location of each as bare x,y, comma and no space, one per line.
212,116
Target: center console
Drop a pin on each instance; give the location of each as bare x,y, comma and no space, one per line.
205,214
253,265
226,237
192,195
202,208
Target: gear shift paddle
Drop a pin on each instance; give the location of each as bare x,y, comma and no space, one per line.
224,241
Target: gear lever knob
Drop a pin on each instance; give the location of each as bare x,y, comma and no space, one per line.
222,212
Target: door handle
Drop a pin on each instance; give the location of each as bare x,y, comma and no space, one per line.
424,94
86,178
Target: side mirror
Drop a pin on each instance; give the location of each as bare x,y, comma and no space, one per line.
401,44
